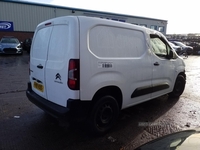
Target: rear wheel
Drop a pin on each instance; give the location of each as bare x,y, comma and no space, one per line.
104,114
178,87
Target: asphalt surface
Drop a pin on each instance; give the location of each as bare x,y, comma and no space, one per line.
24,126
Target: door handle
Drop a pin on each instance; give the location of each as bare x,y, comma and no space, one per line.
40,66
156,64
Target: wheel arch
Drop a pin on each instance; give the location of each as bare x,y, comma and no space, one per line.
179,85
109,90
183,74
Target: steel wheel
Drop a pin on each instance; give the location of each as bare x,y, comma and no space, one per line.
104,114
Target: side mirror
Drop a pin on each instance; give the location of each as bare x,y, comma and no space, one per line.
170,55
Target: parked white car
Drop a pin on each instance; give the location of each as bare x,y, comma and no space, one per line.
92,67
10,45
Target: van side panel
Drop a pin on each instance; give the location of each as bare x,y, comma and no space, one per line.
113,55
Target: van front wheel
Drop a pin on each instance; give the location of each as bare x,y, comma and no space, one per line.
178,87
104,114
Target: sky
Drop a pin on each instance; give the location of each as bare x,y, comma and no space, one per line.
182,15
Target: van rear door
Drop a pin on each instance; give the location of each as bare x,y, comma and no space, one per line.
38,59
63,47
55,43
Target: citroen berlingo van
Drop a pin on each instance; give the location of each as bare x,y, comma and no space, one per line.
93,67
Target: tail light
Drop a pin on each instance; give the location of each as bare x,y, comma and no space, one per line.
74,74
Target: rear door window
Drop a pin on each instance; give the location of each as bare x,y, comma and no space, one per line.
40,44
59,43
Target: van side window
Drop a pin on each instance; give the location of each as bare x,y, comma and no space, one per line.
159,47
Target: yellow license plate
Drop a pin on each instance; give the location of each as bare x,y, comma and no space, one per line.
38,86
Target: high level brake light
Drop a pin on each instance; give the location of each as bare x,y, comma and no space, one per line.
47,24
73,74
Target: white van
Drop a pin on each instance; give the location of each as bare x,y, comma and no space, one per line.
85,66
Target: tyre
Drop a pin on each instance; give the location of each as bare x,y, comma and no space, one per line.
104,114
179,86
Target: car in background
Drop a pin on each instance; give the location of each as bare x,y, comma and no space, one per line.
196,48
178,49
194,44
185,48
10,45
27,44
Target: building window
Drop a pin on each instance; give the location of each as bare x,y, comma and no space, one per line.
154,27
143,25
161,28
115,19
118,20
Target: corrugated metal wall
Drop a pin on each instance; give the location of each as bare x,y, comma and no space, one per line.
24,17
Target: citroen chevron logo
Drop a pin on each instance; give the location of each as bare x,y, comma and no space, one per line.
58,76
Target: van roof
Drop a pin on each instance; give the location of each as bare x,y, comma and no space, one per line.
125,24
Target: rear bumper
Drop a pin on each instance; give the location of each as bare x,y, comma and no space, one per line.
75,109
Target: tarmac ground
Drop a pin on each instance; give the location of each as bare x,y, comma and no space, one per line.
24,126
